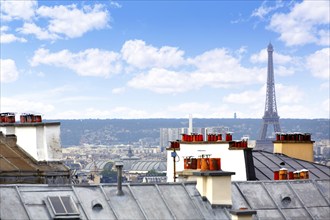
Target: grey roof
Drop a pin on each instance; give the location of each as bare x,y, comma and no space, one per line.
98,165
299,199
266,163
149,165
17,166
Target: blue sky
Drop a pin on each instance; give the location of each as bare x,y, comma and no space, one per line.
163,59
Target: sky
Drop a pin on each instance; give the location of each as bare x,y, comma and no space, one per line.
163,59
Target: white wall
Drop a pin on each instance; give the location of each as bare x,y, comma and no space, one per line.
40,140
53,142
231,160
27,139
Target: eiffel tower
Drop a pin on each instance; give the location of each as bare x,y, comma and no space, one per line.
270,116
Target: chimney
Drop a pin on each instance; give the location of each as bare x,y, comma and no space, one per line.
40,140
215,186
119,165
296,145
190,129
242,214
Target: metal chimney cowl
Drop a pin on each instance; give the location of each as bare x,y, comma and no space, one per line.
119,166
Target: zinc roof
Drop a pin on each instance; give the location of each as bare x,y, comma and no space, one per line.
266,163
292,199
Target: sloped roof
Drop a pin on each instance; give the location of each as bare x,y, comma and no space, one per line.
149,165
99,165
16,165
266,163
308,199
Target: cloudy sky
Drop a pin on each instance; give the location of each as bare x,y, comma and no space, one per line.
163,59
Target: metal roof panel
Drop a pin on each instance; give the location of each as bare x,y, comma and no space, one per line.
311,199
11,207
179,202
93,199
296,214
283,195
153,205
125,206
260,200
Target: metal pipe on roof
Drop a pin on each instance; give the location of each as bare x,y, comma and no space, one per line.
119,165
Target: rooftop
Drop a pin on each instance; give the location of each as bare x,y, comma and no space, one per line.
265,163
299,199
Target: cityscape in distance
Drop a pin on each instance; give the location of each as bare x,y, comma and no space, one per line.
125,131
143,136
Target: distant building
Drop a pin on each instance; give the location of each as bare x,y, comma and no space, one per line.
293,152
170,134
173,134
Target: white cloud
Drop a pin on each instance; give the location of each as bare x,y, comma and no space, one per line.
162,81
16,10
214,61
307,22
250,97
254,100
14,104
284,65
73,22
278,58
8,71
264,10
8,38
294,111
194,108
326,106
325,86
40,33
118,90
66,21
91,62
284,71
318,63
216,68
138,54
219,68
118,112
288,94
115,4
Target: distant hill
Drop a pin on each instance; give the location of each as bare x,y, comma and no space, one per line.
114,131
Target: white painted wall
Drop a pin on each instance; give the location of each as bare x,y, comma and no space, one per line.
231,160
27,139
53,142
40,140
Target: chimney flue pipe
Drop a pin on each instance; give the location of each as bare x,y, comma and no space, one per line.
119,165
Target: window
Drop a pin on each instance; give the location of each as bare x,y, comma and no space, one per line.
63,206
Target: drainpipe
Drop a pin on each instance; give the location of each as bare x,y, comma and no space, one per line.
119,165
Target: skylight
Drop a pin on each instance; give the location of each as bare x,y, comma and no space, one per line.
63,206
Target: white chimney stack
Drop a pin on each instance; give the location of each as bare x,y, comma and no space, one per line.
215,186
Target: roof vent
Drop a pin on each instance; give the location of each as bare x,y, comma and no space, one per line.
119,165
286,200
96,205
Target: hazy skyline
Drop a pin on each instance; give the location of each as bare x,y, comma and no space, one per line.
163,59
